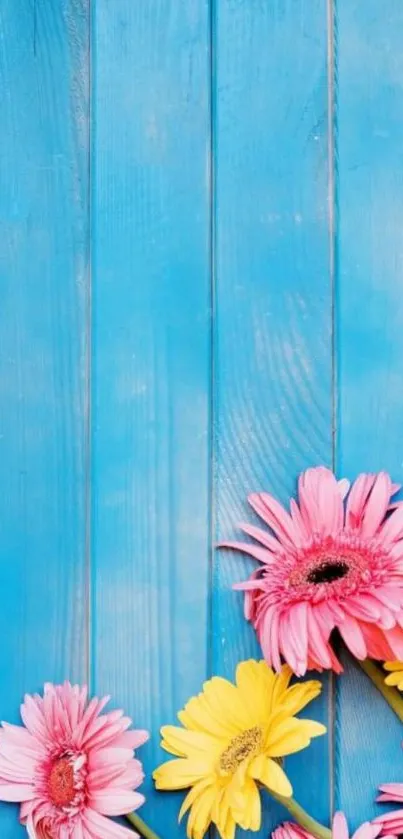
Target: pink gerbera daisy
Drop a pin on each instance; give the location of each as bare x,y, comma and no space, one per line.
391,822
327,564
70,765
368,830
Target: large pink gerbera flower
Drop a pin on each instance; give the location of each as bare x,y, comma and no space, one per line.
325,565
70,765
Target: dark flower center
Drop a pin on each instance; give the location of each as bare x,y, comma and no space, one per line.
328,572
244,745
61,782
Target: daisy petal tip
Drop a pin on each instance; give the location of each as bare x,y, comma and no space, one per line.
320,729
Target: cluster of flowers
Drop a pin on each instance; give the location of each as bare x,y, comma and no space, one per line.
334,562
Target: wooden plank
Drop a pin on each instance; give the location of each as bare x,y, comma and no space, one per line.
44,241
273,359
151,364
370,336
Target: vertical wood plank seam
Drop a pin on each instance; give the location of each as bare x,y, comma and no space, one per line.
212,833
88,494
332,215
212,267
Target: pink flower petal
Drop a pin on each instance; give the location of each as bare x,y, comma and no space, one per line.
394,638
16,792
298,634
269,638
115,802
392,529
321,502
300,524
275,516
351,633
344,486
98,825
391,792
261,554
367,831
317,642
132,739
339,827
263,537
357,499
395,817
377,504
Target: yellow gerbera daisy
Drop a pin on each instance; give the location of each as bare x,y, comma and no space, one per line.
232,739
396,674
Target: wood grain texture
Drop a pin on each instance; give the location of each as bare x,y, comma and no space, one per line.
370,335
151,365
208,372
273,325
44,64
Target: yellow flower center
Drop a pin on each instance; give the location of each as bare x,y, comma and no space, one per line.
247,744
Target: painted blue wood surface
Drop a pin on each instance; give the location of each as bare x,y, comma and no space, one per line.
44,242
369,335
166,338
151,364
273,324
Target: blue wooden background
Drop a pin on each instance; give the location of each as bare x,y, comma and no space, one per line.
201,258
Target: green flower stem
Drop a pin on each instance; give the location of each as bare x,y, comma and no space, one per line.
141,826
391,694
302,817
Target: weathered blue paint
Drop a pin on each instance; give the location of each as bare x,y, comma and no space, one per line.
369,336
151,364
273,324
168,296
44,245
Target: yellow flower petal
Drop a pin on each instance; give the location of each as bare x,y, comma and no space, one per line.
198,715
255,681
234,790
393,665
185,743
393,679
254,807
313,728
200,814
193,794
269,773
221,806
282,682
396,674
222,816
181,773
291,736
299,695
225,700
249,817
227,830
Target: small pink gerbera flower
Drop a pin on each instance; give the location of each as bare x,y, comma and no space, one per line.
325,565
70,765
391,822
368,830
